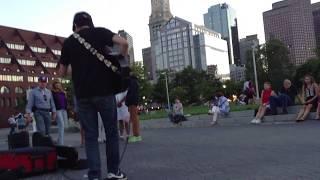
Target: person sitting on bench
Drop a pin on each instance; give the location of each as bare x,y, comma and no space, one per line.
177,113
286,97
308,97
265,103
220,107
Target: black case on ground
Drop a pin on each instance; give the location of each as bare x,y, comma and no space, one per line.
18,140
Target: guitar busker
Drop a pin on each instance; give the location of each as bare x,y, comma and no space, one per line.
132,101
94,84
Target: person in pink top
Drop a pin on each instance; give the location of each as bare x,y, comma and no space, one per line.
265,103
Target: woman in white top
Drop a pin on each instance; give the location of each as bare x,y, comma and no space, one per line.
123,114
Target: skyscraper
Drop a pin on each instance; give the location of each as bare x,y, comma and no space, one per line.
222,19
291,22
246,45
128,37
146,55
316,22
184,44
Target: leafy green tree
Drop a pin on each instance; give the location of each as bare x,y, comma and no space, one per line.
159,89
312,67
198,86
273,64
145,86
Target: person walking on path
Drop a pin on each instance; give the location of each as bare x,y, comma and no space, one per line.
61,102
41,103
286,97
221,106
248,90
265,103
308,97
132,101
95,80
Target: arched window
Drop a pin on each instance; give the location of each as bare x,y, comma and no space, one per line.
19,90
4,90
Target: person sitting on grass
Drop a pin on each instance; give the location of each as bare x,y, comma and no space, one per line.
308,97
265,103
221,106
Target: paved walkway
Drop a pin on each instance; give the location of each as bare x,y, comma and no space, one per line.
244,152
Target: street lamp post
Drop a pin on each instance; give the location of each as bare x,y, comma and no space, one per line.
255,70
167,89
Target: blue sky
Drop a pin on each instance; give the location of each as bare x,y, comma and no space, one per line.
55,16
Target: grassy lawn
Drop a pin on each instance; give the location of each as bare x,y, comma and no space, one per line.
193,110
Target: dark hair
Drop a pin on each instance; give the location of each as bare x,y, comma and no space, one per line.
267,82
82,19
219,93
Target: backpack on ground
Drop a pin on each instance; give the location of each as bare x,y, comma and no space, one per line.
18,140
40,140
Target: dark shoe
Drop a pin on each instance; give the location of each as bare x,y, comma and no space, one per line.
119,176
299,121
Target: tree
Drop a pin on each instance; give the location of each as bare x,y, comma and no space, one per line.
273,64
159,89
195,86
145,87
311,67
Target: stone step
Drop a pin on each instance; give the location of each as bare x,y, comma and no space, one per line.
204,121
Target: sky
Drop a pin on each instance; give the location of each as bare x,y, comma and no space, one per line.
55,16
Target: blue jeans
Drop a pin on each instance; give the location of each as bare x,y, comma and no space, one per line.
62,117
282,100
88,115
43,121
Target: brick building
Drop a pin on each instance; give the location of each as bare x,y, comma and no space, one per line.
24,55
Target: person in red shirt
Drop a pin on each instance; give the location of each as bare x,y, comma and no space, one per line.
265,103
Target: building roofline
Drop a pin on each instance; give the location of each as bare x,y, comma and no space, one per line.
29,31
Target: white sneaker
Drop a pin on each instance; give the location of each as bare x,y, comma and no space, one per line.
213,123
254,121
258,121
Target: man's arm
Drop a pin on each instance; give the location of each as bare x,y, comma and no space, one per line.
123,43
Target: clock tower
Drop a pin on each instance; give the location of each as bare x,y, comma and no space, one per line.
160,15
